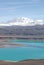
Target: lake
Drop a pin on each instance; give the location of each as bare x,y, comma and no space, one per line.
32,50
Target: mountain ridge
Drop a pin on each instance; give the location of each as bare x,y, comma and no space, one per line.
22,30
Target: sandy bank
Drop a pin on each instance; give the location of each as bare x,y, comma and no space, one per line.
28,62
11,45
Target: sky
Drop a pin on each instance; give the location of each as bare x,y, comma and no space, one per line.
11,9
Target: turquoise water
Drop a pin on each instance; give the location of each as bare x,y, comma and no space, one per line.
23,53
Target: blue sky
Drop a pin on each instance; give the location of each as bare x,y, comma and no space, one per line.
11,9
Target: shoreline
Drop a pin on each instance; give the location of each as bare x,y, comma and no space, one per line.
24,62
28,37
11,45
19,45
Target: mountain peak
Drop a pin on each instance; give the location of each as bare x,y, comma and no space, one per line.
23,21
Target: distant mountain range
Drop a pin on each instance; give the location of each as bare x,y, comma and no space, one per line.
22,30
22,26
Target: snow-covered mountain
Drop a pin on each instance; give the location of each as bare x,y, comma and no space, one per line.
23,21
23,26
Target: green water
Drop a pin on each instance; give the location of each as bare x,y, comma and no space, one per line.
23,53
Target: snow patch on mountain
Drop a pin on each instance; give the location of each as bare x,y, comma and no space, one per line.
23,21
